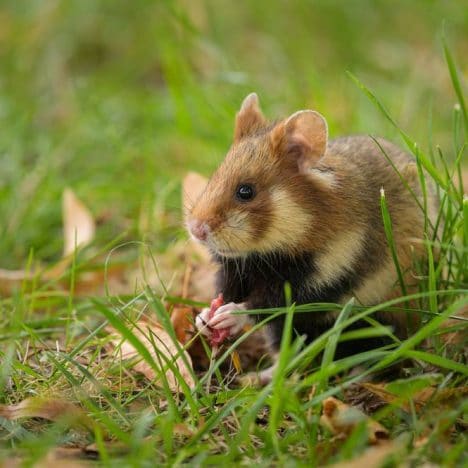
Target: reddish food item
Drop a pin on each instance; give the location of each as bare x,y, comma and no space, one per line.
217,336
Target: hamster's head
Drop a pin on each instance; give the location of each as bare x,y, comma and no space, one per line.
261,198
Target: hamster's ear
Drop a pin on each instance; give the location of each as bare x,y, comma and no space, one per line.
249,117
303,135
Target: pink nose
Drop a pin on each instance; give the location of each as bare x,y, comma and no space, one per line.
199,229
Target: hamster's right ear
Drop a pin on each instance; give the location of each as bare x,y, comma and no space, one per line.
249,118
303,136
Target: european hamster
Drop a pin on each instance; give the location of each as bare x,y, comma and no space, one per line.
286,204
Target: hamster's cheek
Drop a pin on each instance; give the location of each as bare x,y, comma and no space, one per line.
235,234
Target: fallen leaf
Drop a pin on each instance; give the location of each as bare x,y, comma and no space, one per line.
458,337
52,409
464,180
420,398
11,279
182,321
236,362
78,223
373,457
162,349
182,429
78,230
341,419
66,457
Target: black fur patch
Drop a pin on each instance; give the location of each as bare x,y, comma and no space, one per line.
259,280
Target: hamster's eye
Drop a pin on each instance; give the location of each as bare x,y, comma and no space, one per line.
245,192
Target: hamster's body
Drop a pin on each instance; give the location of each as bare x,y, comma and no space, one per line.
286,205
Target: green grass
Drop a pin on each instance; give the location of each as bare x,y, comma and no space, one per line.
118,100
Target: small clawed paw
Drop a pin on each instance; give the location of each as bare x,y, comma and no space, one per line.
256,379
225,319
222,319
201,322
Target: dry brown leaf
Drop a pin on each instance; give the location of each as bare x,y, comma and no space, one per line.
459,337
182,429
52,409
443,396
464,180
182,321
236,362
63,457
66,457
373,457
11,279
112,279
78,223
78,230
341,419
420,399
154,336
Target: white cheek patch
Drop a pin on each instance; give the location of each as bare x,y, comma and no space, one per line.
288,223
234,234
338,256
237,220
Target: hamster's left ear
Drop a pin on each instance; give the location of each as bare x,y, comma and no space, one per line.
303,136
249,118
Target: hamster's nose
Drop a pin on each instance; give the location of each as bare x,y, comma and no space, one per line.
199,229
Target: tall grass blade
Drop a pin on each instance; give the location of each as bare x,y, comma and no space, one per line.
387,221
455,81
332,342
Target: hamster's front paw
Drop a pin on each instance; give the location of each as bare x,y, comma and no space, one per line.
201,322
256,379
224,318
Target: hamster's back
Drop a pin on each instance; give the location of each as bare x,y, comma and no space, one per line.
363,170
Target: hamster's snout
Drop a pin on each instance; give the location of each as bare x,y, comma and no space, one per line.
199,229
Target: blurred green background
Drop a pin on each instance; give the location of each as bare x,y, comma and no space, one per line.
118,99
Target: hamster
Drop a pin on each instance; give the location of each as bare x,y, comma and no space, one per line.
287,204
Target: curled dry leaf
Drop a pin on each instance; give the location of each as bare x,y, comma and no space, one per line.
63,457
52,409
374,456
443,397
182,321
340,419
163,350
78,230
458,337
11,279
78,223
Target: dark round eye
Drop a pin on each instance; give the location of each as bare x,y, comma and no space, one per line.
245,192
